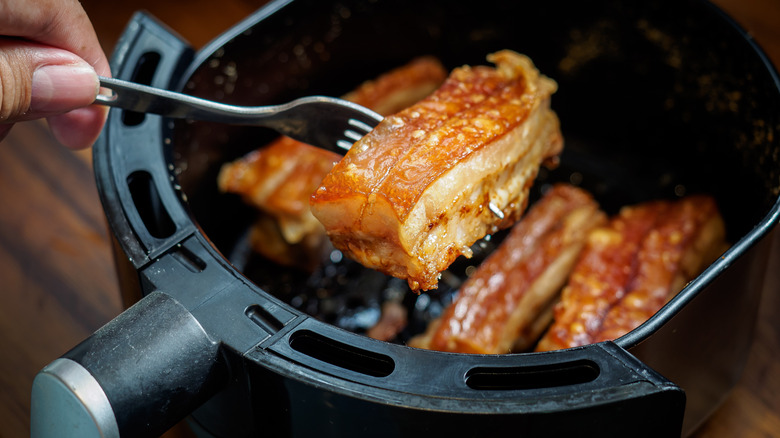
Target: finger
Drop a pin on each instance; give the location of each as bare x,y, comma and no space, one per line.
80,128
63,24
38,81
58,23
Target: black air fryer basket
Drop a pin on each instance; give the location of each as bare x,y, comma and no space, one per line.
657,99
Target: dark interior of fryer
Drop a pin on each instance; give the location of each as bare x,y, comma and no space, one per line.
647,106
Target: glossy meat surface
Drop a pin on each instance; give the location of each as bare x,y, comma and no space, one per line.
503,302
417,191
684,242
631,267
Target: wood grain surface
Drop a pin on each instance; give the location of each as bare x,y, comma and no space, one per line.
57,280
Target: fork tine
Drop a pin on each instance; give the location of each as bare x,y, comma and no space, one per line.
366,128
344,144
355,136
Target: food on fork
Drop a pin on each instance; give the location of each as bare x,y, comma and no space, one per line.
501,307
429,181
631,267
278,179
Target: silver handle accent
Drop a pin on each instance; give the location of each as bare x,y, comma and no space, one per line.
67,401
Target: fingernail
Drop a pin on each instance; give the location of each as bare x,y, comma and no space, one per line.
63,87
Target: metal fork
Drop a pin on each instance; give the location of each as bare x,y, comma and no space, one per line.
326,122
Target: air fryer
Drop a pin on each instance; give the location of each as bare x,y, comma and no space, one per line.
656,99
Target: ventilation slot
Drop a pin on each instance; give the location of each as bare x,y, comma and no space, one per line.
532,377
149,205
143,74
342,355
264,319
188,259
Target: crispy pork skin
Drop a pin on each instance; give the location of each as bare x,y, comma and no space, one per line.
631,267
502,304
279,178
684,242
429,181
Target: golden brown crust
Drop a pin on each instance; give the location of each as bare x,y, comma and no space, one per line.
499,305
395,201
600,278
685,240
631,267
414,147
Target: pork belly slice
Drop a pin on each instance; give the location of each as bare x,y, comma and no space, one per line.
631,267
685,241
279,178
502,304
600,277
429,181
401,87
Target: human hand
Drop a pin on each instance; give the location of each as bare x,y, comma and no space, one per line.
50,58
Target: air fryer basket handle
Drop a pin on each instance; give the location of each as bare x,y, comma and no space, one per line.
136,376
153,364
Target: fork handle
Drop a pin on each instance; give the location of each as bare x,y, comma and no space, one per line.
302,119
145,99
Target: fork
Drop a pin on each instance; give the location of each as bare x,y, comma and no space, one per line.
326,122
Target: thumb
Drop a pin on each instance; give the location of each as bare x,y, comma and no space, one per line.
38,81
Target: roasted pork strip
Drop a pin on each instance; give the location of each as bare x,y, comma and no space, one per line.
279,178
429,181
685,241
401,87
631,267
501,302
600,278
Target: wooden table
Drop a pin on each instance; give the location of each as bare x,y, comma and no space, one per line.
57,280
